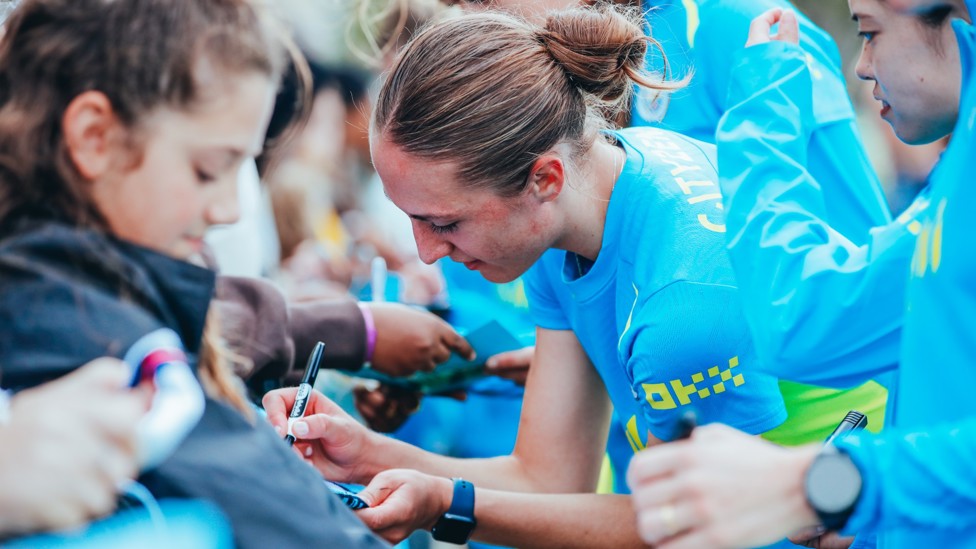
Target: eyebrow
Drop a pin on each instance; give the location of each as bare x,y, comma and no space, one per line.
430,217
426,217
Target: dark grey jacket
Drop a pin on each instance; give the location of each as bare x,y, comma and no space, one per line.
68,296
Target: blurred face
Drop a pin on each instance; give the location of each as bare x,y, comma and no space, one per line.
185,179
915,69
498,236
921,5
528,8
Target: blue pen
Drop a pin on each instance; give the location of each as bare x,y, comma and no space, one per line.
304,389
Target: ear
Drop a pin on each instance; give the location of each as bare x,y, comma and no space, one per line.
90,129
547,177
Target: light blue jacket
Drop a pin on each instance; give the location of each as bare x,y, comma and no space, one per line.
919,480
824,307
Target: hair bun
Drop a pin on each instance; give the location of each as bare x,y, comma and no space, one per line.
600,49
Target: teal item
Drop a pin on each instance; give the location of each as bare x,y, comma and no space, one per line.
825,308
187,524
457,372
658,312
919,485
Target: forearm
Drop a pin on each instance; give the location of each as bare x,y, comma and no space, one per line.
276,337
337,323
498,473
561,521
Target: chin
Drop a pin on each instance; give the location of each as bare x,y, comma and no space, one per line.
498,276
919,135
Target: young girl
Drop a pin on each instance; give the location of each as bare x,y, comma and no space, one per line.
122,125
627,279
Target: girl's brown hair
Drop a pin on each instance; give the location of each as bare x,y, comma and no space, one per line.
493,92
142,55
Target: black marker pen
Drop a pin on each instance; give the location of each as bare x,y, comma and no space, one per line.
304,389
853,421
686,424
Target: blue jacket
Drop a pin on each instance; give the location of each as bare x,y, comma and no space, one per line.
919,485
825,308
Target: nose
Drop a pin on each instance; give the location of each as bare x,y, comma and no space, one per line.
430,246
224,207
864,69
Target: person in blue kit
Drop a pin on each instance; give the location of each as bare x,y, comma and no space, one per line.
699,39
631,286
914,483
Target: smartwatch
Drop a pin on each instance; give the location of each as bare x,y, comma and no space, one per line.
456,525
833,487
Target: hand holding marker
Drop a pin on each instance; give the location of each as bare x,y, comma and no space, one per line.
304,390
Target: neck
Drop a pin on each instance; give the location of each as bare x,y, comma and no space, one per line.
589,198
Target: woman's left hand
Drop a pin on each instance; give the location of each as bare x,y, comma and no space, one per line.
402,501
761,29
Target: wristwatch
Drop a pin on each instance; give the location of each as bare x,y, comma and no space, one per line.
456,525
833,487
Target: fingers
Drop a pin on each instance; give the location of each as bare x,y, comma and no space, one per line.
386,408
654,464
666,491
107,373
762,27
458,344
277,404
517,359
789,28
659,523
313,427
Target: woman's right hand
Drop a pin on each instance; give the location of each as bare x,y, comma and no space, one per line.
761,29
328,438
402,501
68,447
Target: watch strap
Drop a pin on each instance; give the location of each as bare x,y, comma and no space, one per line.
462,503
457,524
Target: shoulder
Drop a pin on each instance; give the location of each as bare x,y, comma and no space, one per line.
666,173
58,307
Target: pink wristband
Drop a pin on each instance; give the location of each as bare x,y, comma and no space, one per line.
370,331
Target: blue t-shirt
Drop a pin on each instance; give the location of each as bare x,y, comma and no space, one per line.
658,311
700,38
919,487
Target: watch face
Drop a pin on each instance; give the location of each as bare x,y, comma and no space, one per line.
833,483
453,528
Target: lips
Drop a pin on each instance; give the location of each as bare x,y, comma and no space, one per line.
885,107
473,264
195,243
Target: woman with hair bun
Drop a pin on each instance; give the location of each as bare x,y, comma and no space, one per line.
492,134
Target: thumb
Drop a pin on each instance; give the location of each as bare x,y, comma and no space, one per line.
789,28
109,373
312,427
761,27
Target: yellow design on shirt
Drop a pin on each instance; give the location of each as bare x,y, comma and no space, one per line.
928,246
633,437
691,9
674,393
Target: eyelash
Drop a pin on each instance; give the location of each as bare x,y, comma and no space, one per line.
867,36
443,229
204,177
